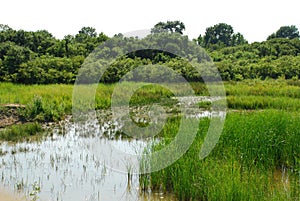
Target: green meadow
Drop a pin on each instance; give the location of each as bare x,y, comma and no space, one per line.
258,154
256,158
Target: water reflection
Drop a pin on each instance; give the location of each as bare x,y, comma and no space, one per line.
62,167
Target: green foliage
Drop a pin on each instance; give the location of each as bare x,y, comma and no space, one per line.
135,53
267,139
20,132
37,42
254,148
262,102
289,32
87,38
221,35
248,94
274,58
204,104
37,57
49,70
40,110
12,57
150,94
169,26
256,94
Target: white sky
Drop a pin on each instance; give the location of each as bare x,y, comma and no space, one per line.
255,19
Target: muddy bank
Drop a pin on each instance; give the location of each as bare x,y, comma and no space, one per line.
9,114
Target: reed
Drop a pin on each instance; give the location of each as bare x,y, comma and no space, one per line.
21,132
254,148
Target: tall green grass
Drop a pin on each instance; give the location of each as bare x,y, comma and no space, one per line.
242,102
271,88
43,102
257,151
24,94
257,94
249,94
52,102
20,132
43,110
255,146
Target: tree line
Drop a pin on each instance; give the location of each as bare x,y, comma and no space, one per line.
39,58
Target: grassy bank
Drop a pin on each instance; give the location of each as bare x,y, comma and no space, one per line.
257,158
21,132
60,95
50,103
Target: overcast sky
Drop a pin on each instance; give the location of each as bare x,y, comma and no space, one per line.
255,19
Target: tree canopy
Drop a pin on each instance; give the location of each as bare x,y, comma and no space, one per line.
169,26
221,35
289,32
37,57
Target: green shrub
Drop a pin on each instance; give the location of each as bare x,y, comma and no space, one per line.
40,110
20,132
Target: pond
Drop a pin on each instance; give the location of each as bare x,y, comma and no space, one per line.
64,166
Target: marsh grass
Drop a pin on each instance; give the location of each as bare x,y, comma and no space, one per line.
272,88
254,147
257,94
242,102
43,102
21,132
204,104
249,94
42,110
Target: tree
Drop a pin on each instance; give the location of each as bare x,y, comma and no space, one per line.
86,32
6,33
88,39
12,57
289,32
48,69
238,39
169,26
221,34
4,27
200,40
67,40
38,41
42,40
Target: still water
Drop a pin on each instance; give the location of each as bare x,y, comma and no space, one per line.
62,167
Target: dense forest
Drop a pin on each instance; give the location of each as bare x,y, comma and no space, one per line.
37,57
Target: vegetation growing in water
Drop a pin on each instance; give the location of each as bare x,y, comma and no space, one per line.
257,157
20,132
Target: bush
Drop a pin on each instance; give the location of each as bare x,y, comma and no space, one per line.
20,132
39,110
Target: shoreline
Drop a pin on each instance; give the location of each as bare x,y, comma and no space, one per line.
9,115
